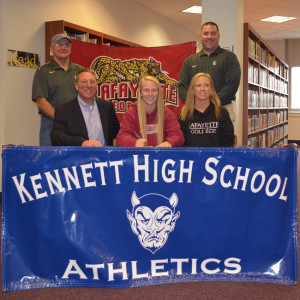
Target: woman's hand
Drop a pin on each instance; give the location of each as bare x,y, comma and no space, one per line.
141,143
164,144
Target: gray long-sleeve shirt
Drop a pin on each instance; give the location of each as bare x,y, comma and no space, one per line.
223,67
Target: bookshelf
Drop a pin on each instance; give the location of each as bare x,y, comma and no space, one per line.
80,33
265,93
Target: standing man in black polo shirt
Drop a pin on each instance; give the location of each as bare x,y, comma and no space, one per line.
222,65
54,84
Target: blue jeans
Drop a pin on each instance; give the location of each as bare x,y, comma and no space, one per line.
46,126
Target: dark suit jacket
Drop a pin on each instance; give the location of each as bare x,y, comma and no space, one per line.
69,127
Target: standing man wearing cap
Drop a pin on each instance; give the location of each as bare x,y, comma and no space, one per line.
54,84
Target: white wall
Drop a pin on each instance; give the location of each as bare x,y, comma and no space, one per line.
293,59
294,124
230,18
2,62
279,47
293,50
22,28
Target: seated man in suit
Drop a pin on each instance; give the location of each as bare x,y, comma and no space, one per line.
86,120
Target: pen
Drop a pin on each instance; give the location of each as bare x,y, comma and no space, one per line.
136,135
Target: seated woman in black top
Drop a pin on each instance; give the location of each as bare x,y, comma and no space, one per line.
203,121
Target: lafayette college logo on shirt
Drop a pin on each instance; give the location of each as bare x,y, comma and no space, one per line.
202,128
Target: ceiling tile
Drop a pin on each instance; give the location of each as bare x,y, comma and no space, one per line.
254,10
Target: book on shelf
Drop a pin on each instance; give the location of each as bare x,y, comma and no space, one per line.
262,140
93,40
281,86
270,119
271,137
285,141
277,85
263,121
285,129
284,88
277,101
263,56
253,48
271,62
263,81
84,37
252,99
253,123
283,101
279,117
267,94
285,114
270,100
271,84
252,73
277,66
263,98
253,142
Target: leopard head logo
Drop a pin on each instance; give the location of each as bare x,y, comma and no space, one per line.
110,70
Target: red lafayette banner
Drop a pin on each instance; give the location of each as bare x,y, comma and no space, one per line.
119,70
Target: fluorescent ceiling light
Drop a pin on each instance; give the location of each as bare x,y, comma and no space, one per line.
278,19
193,10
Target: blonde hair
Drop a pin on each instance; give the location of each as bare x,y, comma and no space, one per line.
189,106
142,112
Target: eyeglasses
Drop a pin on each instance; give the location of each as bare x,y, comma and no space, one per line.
67,45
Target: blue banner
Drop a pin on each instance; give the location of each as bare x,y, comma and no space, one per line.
127,217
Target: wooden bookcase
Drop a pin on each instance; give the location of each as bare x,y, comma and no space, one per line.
265,93
82,33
